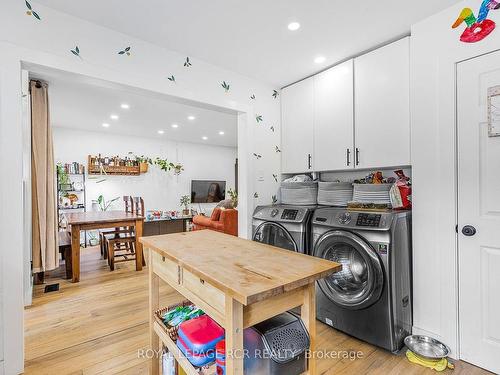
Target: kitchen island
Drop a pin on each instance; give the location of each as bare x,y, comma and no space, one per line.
237,282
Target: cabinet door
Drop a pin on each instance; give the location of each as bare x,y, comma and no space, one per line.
297,128
382,106
334,118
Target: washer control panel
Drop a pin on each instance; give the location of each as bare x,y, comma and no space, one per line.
289,214
368,220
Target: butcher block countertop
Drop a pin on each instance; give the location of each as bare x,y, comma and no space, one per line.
246,270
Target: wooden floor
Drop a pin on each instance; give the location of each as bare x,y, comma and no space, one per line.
98,325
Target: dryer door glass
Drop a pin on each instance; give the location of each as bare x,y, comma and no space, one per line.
361,280
274,234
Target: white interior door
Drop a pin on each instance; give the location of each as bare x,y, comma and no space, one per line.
479,211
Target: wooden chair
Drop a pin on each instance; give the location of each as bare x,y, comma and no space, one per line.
64,242
129,207
121,247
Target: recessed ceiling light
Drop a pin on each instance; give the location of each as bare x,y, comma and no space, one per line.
105,125
293,26
221,133
125,106
204,138
175,126
161,131
320,59
114,117
191,118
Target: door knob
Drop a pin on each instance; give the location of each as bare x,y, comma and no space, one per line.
468,230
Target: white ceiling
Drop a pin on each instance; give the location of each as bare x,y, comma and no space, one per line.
251,36
80,103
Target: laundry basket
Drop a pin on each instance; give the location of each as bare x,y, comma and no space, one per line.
334,193
372,193
299,193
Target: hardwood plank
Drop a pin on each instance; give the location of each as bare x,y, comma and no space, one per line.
98,325
234,336
252,271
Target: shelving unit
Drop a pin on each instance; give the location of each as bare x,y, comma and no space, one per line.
81,206
97,167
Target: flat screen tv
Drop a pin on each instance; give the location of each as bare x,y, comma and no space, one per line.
207,191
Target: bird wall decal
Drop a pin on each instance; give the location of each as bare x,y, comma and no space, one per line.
477,28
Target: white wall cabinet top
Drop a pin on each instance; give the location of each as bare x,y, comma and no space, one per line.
297,134
382,106
334,118
354,115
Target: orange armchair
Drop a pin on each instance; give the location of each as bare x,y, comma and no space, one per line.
222,220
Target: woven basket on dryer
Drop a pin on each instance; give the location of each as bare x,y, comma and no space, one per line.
334,193
299,193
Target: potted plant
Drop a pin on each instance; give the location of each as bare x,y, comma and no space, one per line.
93,241
233,195
63,177
103,204
186,201
144,162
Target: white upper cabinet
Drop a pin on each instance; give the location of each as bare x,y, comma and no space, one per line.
297,130
334,118
382,106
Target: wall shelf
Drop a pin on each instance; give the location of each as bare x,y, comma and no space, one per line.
112,166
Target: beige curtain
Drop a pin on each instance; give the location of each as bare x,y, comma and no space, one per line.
43,194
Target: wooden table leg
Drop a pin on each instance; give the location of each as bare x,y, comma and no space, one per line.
138,246
154,304
308,315
75,253
234,337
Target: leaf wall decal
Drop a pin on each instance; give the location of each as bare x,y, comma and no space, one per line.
275,94
259,118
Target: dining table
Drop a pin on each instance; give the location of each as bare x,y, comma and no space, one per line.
100,220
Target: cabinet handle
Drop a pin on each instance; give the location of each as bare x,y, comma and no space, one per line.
348,157
357,156
309,161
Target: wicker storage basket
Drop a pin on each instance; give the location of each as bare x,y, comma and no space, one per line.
172,332
334,193
299,193
372,193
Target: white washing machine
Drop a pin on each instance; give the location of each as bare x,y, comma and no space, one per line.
371,297
284,226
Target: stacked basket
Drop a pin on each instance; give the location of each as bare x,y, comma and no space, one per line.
334,193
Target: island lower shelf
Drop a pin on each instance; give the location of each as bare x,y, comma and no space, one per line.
178,355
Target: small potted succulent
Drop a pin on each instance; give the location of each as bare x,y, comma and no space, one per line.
186,201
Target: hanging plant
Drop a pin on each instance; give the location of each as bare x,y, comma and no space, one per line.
275,94
31,12
225,86
259,118
187,63
125,51
167,166
252,97
171,78
76,51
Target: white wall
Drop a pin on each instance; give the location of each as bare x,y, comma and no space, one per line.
160,190
23,39
435,50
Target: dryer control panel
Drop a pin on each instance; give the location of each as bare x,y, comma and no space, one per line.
289,214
